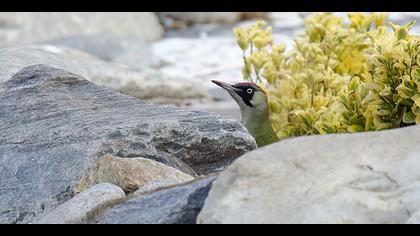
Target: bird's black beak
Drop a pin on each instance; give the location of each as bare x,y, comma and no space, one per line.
225,86
237,94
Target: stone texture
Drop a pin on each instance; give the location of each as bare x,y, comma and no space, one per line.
286,20
22,28
55,125
144,84
129,173
14,59
204,17
177,205
200,59
86,207
414,219
155,185
132,51
349,178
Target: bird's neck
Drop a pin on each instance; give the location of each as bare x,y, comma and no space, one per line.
259,126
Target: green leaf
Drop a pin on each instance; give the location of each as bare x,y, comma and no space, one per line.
409,117
410,24
354,84
393,26
402,33
404,92
416,100
355,129
415,74
306,120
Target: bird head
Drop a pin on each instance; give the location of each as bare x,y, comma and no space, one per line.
249,96
253,103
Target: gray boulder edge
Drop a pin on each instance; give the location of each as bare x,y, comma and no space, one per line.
86,207
175,205
347,178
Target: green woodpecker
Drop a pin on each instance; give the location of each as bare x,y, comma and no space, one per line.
253,103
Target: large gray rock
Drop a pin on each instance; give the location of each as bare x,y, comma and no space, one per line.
55,125
14,59
144,84
349,178
131,51
20,28
86,207
176,205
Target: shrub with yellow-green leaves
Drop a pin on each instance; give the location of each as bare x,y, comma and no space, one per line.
338,77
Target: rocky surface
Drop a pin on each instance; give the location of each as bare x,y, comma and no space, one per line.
352,178
200,59
130,174
145,84
414,219
67,123
286,20
19,28
203,17
86,207
176,205
154,186
14,59
131,51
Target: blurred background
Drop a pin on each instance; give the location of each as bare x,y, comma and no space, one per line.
163,57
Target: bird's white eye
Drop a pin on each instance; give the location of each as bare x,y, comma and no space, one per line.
249,90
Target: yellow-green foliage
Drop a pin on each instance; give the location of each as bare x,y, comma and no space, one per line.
338,77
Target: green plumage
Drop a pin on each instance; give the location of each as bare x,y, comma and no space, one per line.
259,126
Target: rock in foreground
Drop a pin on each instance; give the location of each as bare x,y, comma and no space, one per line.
55,125
176,205
351,178
86,207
